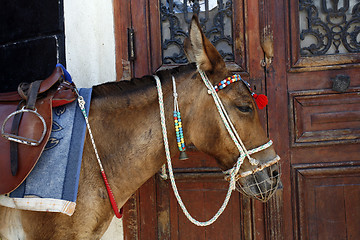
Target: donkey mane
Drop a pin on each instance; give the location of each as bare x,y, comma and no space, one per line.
139,86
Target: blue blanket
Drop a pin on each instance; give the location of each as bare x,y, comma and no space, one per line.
54,180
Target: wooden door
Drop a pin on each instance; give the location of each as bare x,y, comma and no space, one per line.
315,117
158,28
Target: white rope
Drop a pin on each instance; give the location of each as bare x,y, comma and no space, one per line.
81,102
233,172
171,174
226,119
176,104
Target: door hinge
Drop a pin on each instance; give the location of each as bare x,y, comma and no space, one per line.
131,44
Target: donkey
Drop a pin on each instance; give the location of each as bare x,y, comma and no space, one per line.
125,122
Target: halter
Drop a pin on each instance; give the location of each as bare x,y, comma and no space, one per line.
244,153
232,175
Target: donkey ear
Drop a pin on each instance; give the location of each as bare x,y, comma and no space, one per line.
189,51
200,50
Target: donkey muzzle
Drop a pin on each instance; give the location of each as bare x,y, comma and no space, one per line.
262,184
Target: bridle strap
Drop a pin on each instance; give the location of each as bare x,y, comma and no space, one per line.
260,148
228,124
252,151
171,173
259,168
234,135
233,173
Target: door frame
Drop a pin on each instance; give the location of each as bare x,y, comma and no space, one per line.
262,220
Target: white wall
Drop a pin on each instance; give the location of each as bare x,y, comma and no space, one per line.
89,41
90,55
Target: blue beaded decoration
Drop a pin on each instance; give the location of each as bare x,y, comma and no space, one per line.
260,99
178,124
179,131
226,82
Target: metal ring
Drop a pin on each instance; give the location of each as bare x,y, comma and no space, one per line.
20,139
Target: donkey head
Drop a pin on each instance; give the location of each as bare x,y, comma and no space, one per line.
258,176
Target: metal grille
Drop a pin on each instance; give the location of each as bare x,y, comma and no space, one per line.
329,27
259,186
215,18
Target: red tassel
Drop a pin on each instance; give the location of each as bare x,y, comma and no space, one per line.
261,100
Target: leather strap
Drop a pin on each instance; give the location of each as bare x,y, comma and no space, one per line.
14,145
32,94
31,97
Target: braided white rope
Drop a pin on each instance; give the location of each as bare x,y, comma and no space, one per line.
81,102
226,119
176,104
171,174
233,172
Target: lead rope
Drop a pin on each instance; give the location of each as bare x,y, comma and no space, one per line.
171,174
114,206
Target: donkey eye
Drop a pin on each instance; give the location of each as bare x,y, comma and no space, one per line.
245,109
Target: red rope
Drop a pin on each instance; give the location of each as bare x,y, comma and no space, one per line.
118,213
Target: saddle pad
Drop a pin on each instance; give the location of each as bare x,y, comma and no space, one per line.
53,183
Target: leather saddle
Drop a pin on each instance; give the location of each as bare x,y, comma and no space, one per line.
26,123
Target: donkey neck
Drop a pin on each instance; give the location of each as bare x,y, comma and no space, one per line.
129,125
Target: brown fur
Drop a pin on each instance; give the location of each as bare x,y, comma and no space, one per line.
126,125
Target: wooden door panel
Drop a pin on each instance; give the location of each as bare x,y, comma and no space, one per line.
327,154
324,117
203,198
322,79
327,201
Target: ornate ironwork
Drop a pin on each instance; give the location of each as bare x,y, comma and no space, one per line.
176,16
331,27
